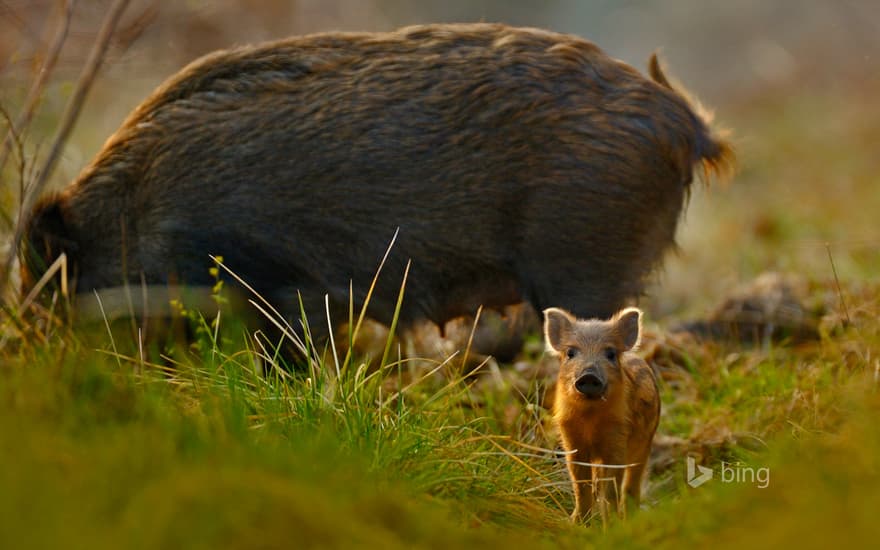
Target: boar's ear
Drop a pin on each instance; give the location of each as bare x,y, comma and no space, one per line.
557,322
629,326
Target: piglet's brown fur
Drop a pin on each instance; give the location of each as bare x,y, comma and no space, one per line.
607,407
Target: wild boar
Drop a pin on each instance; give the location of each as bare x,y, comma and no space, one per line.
518,165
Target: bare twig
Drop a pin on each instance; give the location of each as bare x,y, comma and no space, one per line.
837,283
71,113
7,218
39,85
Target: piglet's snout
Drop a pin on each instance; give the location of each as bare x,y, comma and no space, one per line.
590,383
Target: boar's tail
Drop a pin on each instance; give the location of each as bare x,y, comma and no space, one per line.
713,153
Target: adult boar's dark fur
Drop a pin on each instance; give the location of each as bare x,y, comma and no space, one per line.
519,164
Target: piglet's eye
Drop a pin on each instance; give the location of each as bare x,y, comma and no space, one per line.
571,352
611,354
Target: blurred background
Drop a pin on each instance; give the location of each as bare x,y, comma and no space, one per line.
794,80
721,48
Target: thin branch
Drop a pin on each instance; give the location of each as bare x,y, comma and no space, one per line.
71,113
837,283
7,218
39,85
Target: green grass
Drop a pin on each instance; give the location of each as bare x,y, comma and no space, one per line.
99,452
96,455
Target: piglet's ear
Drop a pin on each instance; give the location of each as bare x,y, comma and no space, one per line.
629,326
557,323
